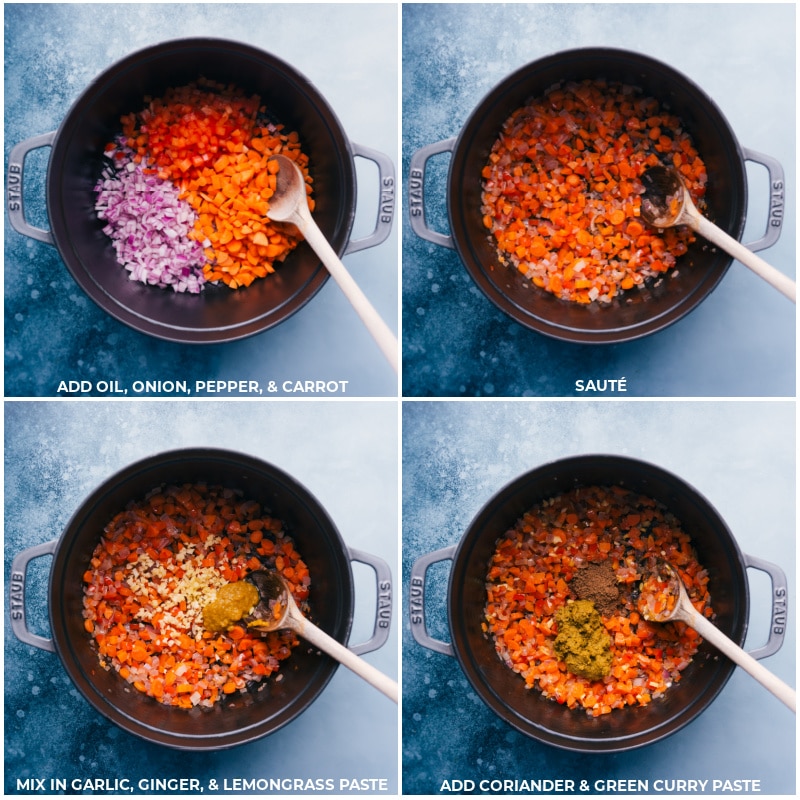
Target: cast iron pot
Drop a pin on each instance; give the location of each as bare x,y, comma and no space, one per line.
504,691
633,314
217,314
249,716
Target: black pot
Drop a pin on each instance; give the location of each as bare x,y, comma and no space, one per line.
504,691
217,314
632,314
250,716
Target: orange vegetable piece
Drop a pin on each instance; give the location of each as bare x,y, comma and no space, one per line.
617,217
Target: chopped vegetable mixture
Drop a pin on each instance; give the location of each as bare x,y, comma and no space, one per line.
530,579
158,563
561,190
185,194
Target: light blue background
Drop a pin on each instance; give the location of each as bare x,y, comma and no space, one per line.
457,455
57,452
54,332
740,341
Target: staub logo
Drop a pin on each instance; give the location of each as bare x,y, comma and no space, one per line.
387,200
417,600
415,192
776,203
14,187
385,604
779,611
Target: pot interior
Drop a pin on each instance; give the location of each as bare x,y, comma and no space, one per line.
527,710
247,716
217,313
634,313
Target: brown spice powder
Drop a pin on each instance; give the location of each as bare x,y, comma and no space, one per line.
598,583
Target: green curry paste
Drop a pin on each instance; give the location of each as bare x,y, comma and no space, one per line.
233,601
582,643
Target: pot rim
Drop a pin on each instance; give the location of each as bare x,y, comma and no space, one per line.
493,697
165,328
65,647
542,322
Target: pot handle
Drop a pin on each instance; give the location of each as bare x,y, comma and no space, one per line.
383,611
417,600
14,187
383,617
419,630
19,568
16,210
416,192
780,595
777,199
386,184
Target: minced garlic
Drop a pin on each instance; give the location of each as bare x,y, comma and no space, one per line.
179,599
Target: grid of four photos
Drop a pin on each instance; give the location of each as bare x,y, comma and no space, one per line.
465,410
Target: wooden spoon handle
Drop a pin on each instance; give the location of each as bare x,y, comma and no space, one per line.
380,331
715,235
329,645
715,636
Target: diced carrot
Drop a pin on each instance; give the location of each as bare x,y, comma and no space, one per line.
617,217
236,632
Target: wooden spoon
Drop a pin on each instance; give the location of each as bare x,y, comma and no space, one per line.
290,204
666,202
680,607
277,610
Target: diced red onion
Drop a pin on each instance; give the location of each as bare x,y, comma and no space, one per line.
149,225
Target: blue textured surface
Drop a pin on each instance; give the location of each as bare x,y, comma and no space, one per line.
56,453
739,342
456,456
53,332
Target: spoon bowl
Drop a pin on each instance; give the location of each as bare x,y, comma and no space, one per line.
289,204
666,202
277,610
274,605
672,603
